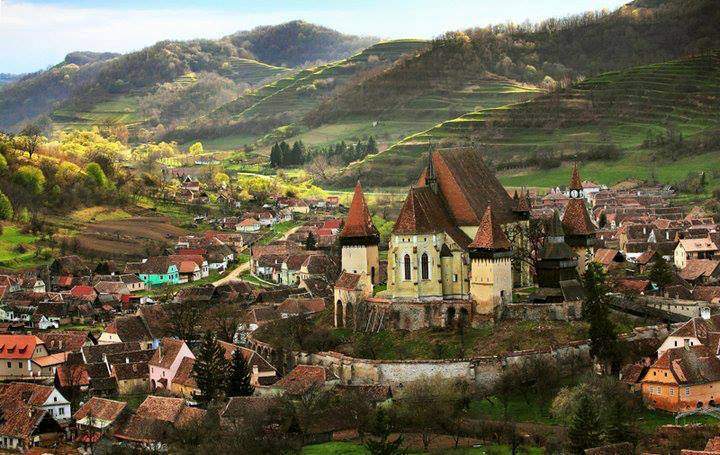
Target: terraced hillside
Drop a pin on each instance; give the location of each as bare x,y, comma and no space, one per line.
127,108
626,108
288,99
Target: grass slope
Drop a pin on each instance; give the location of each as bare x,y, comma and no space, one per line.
624,106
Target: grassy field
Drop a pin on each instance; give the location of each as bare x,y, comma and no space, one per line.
11,257
624,107
635,165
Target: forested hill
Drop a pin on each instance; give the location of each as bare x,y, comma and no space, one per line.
298,43
553,52
85,79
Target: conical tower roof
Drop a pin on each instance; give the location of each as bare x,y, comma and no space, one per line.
490,235
359,224
575,182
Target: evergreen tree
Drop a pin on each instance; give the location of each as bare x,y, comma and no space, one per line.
372,146
603,338
6,210
583,432
660,272
210,369
285,154
238,384
298,153
618,428
310,242
275,155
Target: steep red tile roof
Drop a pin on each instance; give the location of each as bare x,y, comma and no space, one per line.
707,293
18,346
576,219
646,257
490,235
155,418
634,285
575,181
424,213
359,222
82,291
100,408
466,185
184,375
20,420
63,341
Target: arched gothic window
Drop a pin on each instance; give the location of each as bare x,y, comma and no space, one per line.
424,266
407,267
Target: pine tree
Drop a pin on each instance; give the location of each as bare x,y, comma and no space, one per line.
239,377
285,154
298,153
660,272
583,432
6,210
372,145
618,428
310,242
210,369
275,155
603,338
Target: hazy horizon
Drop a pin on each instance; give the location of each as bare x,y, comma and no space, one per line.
47,30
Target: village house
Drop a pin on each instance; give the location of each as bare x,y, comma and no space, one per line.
687,249
154,419
248,225
17,353
155,271
98,415
303,378
683,378
131,377
295,307
126,329
700,271
38,396
24,426
166,361
703,330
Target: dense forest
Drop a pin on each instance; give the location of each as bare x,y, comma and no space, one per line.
551,53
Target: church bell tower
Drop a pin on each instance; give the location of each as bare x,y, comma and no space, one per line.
360,239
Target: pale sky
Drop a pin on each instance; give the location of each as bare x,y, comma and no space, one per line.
35,34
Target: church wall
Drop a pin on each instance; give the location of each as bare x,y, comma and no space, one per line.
414,246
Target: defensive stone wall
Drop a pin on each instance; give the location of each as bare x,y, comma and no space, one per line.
483,371
565,311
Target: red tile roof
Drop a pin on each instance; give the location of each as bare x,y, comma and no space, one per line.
576,219
100,408
166,354
82,291
690,365
18,346
298,306
467,185
490,235
347,281
575,181
31,394
359,222
699,268
302,378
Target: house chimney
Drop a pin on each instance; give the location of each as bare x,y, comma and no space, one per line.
705,312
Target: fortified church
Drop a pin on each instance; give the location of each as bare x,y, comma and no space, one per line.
450,254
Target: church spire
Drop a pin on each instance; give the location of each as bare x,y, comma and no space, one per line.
490,235
431,178
575,181
359,227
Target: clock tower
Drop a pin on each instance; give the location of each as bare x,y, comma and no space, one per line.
579,228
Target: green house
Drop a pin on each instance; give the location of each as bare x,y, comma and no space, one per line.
158,270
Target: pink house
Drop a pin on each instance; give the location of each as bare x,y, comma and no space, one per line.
165,362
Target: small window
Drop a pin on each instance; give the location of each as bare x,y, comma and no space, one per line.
61,411
407,267
19,364
9,364
672,392
687,391
455,277
425,266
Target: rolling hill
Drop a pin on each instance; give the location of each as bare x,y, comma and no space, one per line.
85,80
669,110
287,100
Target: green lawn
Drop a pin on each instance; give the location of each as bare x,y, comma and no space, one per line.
278,230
